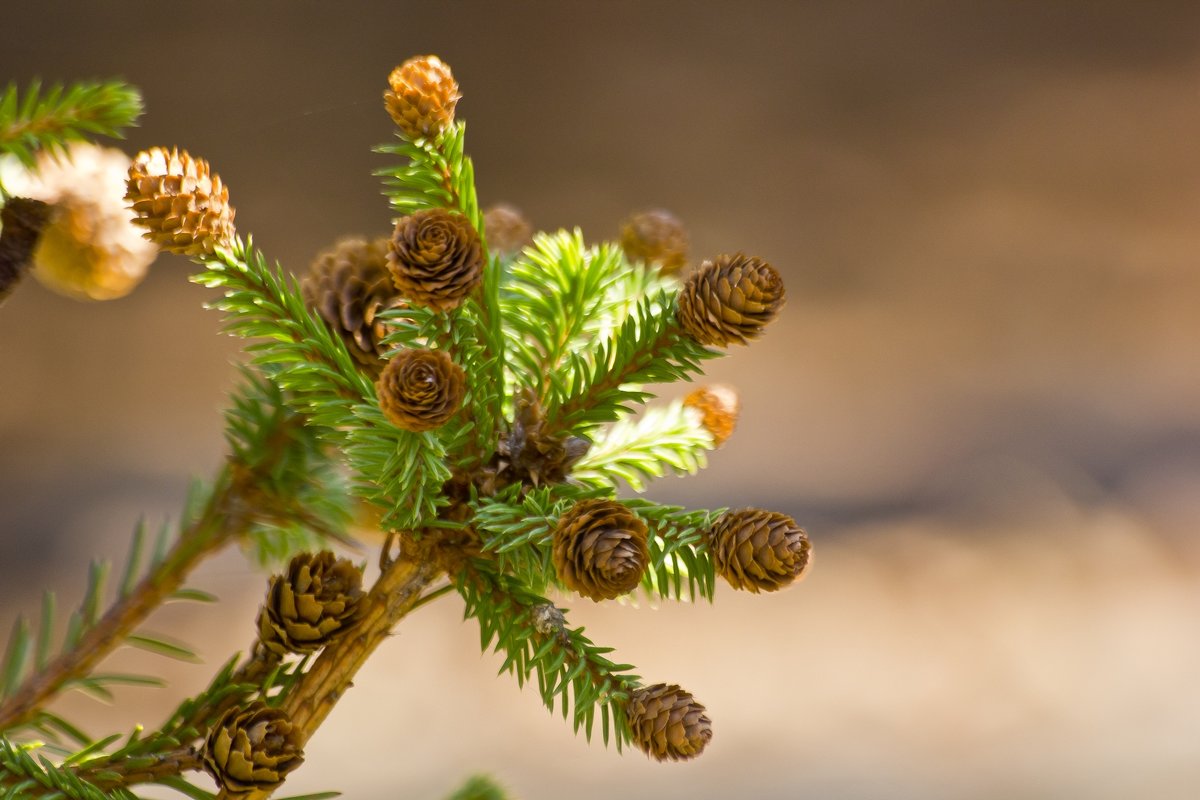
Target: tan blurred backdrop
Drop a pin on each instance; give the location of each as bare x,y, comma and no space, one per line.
983,399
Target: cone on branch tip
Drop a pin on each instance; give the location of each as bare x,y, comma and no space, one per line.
318,599
421,97
656,237
436,258
420,390
667,723
506,229
600,549
759,551
252,750
348,286
718,407
729,300
181,203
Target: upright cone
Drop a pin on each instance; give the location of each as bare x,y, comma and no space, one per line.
318,599
656,237
421,97
183,206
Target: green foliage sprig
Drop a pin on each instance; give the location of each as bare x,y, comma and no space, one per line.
47,119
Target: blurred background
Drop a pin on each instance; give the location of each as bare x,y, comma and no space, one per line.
982,401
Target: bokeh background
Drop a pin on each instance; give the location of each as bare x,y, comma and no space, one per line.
983,399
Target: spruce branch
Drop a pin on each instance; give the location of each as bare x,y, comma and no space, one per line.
648,347
50,119
571,671
257,485
636,451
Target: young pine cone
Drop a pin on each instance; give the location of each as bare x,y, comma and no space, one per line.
420,390
421,96
730,300
759,551
317,600
656,237
667,722
348,286
506,229
436,258
718,406
600,549
252,750
182,205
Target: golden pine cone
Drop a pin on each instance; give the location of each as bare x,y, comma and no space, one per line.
89,248
730,300
667,722
348,286
421,96
252,750
600,549
317,600
759,551
420,390
718,406
506,229
436,258
656,237
183,206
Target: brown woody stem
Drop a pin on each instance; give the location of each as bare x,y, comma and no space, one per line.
234,505
21,220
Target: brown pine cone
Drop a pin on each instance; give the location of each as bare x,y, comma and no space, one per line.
421,96
348,286
436,258
600,549
730,300
182,205
656,237
759,551
667,722
718,406
318,600
506,229
252,750
420,390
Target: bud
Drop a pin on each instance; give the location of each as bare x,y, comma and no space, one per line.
667,722
656,237
182,205
718,407
730,300
421,96
506,229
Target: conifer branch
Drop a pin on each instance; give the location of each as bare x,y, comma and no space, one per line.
259,483
571,671
397,591
637,451
51,119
